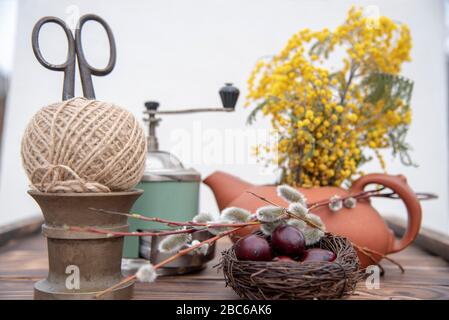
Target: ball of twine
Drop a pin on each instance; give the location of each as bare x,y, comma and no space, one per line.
82,145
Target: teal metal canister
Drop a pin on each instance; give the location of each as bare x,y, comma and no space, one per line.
170,192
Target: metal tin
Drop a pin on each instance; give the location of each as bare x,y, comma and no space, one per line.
164,166
170,191
177,176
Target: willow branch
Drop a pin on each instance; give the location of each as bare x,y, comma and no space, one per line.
127,234
210,224
366,250
310,223
168,260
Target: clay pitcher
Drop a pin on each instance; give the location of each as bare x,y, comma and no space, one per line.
363,225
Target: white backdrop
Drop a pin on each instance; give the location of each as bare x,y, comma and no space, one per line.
180,52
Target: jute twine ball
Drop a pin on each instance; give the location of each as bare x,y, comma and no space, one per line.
82,145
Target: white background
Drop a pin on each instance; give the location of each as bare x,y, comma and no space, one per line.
180,53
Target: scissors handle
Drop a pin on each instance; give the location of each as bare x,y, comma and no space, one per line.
68,66
86,70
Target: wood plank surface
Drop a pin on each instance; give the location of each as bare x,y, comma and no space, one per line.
24,261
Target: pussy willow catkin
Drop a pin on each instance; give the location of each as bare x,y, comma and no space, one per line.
82,145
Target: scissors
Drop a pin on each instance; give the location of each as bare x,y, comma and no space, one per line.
75,50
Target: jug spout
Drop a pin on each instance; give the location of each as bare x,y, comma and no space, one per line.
226,187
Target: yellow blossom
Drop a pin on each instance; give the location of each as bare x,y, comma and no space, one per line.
326,118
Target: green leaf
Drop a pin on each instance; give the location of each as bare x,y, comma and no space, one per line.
387,87
252,116
400,146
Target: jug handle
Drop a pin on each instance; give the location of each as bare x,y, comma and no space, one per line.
398,184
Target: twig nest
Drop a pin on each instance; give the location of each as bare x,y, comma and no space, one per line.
82,145
274,280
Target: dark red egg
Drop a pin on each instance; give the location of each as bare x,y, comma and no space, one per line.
283,259
289,241
253,248
317,254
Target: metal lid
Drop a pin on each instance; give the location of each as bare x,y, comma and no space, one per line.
164,166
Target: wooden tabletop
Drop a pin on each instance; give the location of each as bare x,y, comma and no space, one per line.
24,261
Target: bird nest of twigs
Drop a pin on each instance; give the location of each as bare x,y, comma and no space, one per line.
272,280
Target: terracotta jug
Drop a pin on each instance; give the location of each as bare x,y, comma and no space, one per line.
363,225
